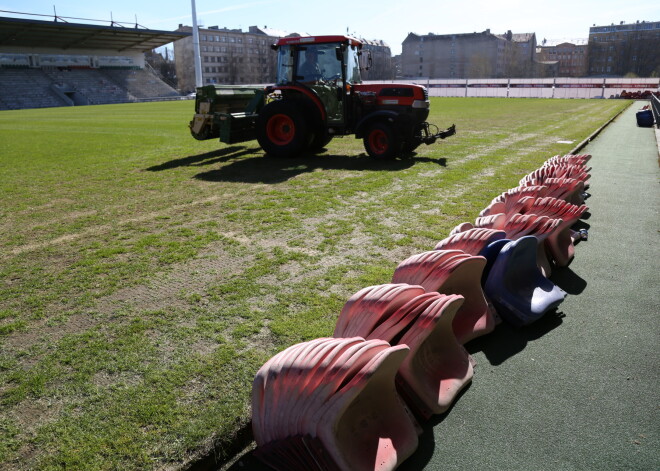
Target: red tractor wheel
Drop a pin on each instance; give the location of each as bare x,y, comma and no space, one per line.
381,141
282,129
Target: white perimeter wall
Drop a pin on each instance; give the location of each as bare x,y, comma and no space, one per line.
536,88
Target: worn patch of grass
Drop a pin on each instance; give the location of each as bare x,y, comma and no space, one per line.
146,276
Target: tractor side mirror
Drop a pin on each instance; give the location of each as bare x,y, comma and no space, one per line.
339,53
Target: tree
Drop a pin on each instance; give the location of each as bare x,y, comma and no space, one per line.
480,67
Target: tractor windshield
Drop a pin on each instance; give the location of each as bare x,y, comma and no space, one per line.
318,62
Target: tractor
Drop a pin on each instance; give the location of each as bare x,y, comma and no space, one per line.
318,95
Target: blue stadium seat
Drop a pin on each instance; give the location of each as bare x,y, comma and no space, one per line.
516,286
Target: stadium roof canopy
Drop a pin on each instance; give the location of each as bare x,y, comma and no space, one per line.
18,32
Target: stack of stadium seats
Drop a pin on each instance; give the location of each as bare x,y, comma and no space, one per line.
560,242
542,206
452,272
331,404
352,402
566,177
438,366
505,202
519,225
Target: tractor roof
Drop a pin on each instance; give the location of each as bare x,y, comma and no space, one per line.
318,40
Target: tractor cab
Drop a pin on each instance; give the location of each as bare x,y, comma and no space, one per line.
326,58
325,65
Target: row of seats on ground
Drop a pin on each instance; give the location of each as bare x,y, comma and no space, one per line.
355,401
34,88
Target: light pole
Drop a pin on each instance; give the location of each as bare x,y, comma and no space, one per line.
198,61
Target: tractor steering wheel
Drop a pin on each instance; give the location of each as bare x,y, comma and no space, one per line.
333,79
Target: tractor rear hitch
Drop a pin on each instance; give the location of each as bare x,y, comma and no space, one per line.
429,138
450,131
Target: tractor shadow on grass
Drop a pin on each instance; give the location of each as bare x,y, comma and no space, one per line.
208,158
264,169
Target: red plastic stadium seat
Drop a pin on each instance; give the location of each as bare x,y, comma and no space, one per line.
567,189
367,308
430,382
462,227
452,272
331,404
508,202
580,160
559,242
471,241
516,205
516,226
539,176
494,221
438,366
365,427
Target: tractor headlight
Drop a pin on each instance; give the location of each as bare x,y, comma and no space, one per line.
420,104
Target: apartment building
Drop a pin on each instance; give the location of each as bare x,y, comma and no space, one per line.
229,56
626,48
470,55
570,56
382,66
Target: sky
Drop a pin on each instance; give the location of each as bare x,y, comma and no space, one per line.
389,20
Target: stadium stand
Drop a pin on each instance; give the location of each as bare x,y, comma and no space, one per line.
141,83
26,88
90,84
54,63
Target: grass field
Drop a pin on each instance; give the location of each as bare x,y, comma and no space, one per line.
145,276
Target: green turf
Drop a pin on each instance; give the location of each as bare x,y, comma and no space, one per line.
145,276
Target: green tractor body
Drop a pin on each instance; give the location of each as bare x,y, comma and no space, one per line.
226,112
